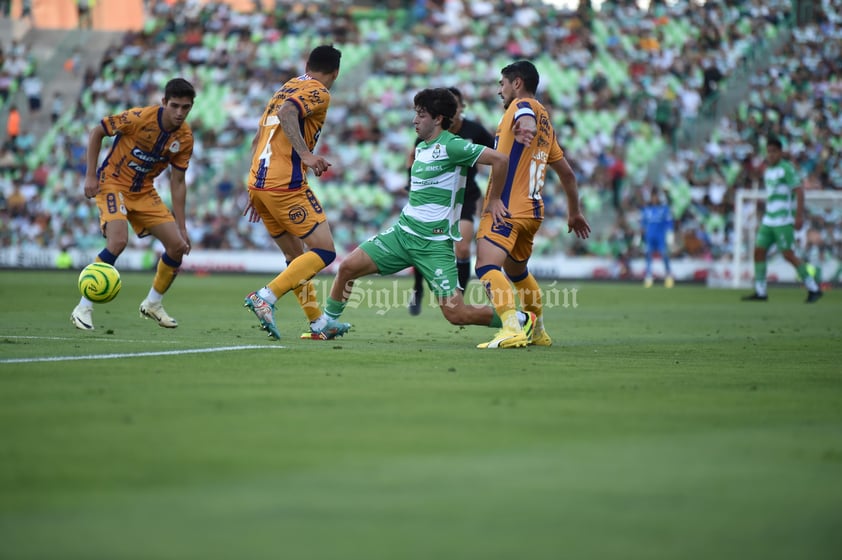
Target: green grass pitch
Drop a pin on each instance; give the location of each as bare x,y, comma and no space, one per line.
663,424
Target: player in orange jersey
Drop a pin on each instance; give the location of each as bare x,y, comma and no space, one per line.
514,210
148,141
278,191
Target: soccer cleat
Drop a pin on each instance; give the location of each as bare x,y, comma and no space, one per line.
647,282
506,338
812,297
415,302
265,313
541,339
528,325
333,329
755,297
82,318
155,311
669,282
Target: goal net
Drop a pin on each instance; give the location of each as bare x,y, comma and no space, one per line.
819,242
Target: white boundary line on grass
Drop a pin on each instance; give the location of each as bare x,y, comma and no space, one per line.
96,339
136,354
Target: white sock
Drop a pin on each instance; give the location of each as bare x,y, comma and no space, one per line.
85,302
522,317
153,296
319,323
267,295
810,282
760,287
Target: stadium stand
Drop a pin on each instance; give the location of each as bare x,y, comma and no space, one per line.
637,96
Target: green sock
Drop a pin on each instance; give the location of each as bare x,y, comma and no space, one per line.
760,278
807,273
496,322
334,308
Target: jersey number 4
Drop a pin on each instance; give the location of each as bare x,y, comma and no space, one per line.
264,158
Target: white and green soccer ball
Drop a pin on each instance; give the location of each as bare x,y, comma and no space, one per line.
99,282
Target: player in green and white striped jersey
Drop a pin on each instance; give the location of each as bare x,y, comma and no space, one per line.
428,226
784,215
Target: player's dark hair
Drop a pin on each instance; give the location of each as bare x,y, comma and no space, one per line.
524,70
437,101
457,93
774,141
324,58
179,87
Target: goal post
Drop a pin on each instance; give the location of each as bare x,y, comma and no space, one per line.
819,242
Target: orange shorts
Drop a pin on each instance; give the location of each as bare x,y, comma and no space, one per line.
515,235
143,210
297,212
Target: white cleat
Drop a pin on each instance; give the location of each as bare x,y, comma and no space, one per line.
156,312
82,318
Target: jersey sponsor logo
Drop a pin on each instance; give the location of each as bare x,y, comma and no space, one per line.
314,202
305,105
439,230
118,167
544,124
146,157
297,214
380,245
316,96
139,167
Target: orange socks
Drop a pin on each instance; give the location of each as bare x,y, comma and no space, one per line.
502,298
306,294
299,271
530,294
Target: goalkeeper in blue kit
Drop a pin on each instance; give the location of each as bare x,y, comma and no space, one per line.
657,224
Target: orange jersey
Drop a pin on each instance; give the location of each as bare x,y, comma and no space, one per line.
142,149
527,164
275,165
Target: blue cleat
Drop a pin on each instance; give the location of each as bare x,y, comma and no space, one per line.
265,313
333,329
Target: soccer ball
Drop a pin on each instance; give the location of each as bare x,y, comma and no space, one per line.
99,282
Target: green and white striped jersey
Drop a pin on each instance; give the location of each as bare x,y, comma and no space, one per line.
780,181
437,187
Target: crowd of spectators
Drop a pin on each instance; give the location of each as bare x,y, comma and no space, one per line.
627,88
796,97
